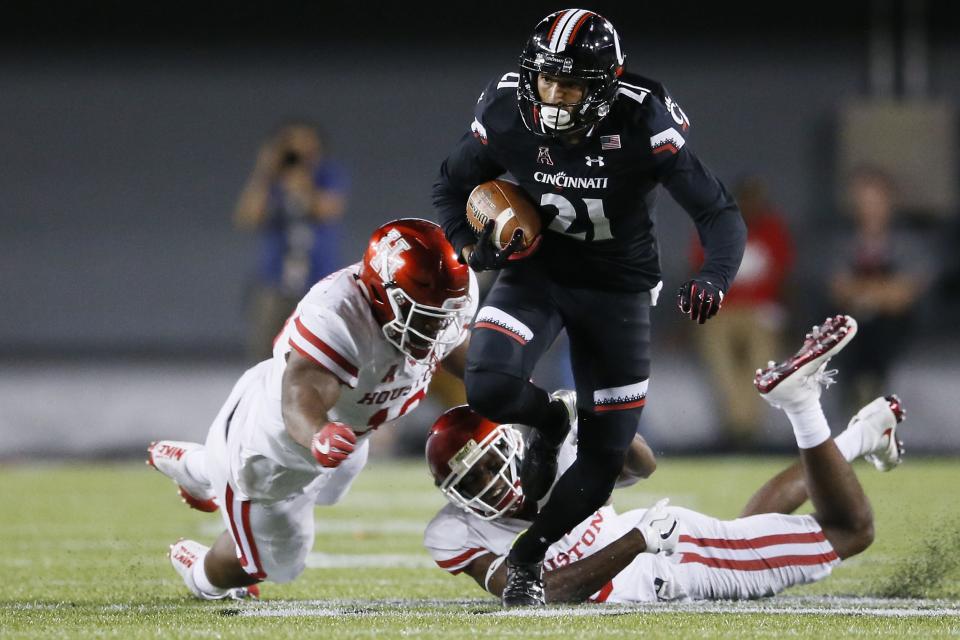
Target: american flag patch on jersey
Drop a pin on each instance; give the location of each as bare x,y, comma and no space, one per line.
610,142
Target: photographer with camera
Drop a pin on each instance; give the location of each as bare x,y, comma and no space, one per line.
294,199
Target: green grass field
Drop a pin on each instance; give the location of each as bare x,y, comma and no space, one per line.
83,547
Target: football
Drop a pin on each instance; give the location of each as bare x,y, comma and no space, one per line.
509,207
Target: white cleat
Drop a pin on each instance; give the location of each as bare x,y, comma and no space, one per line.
878,423
185,554
798,379
169,458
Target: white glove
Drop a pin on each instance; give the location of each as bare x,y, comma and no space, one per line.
660,528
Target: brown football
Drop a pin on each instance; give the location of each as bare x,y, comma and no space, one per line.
509,207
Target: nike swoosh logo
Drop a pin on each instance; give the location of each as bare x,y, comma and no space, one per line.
669,533
324,447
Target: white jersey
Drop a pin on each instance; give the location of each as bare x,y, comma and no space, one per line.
455,537
715,559
333,325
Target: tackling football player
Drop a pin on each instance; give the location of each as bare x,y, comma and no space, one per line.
359,351
667,552
590,143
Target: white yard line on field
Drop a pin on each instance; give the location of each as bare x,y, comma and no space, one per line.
806,605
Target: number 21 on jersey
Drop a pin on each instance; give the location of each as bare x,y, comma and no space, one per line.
592,226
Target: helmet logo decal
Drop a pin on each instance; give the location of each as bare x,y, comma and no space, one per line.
591,161
543,156
462,460
560,64
386,259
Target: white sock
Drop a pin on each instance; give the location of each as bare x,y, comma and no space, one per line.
196,465
809,424
202,581
850,442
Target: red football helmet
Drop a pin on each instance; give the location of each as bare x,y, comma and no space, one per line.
419,292
475,462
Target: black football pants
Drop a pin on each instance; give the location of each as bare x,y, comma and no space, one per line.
609,335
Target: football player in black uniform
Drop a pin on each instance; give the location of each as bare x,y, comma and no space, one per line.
589,143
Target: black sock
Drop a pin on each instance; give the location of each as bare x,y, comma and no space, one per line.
555,423
579,492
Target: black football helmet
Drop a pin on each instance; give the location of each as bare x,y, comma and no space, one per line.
576,44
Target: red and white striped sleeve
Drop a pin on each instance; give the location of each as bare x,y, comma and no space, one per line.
326,340
456,564
452,543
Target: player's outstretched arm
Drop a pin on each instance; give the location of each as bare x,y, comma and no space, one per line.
640,463
309,391
720,227
573,583
577,581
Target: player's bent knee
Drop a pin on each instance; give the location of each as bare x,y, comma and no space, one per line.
493,395
645,468
863,531
281,575
286,569
854,534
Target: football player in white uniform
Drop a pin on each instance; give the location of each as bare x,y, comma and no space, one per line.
359,351
668,552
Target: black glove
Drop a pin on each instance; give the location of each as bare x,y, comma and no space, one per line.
700,299
486,256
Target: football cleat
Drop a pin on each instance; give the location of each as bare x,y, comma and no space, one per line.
169,458
524,586
878,428
799,378
185,554
538,470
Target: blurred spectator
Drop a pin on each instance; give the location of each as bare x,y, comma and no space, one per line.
749,330
294,200
881,271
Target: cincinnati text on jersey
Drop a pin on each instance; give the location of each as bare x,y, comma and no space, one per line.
563,180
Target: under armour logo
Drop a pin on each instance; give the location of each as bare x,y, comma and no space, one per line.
598,160
543,156
386,254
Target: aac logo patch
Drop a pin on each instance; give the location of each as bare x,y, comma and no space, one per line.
543,156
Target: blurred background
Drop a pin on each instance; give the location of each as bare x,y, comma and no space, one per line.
139,141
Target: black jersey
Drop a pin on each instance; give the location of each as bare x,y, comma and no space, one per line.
596,197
